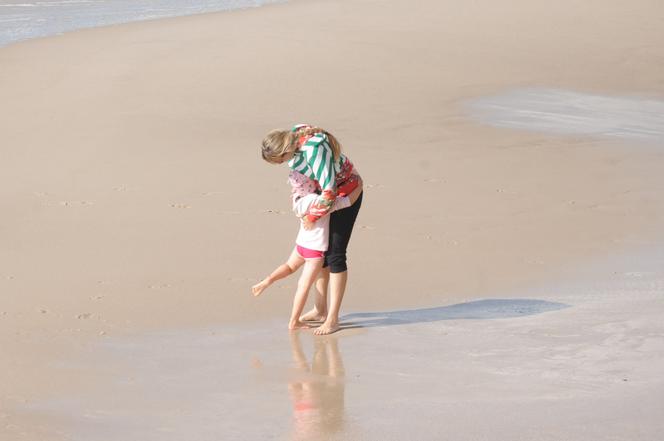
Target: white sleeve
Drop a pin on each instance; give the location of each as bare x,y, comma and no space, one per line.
302,204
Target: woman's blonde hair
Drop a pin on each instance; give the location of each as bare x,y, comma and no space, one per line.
278,143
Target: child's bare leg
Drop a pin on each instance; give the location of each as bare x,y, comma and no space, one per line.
319,311
284,270
307,278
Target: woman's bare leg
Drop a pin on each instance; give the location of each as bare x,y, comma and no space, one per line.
337,289
319,311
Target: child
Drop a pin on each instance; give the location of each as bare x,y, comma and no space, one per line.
310,244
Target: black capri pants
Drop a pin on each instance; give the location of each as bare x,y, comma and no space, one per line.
341,227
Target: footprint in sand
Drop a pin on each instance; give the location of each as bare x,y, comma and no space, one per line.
75,203
180,206
637,274
240,279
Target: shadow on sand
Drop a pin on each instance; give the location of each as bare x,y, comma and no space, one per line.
476,310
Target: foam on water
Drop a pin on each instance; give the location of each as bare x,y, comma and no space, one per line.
20,20
569,112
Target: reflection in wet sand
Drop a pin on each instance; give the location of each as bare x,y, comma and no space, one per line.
317,389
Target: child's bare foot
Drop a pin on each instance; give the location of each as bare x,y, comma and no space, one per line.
327,328
297,325
258,288
313,316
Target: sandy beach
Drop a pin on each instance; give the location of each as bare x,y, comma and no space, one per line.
512,266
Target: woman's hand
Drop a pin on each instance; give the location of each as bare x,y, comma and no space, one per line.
307,224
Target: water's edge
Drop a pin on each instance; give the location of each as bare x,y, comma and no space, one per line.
24,20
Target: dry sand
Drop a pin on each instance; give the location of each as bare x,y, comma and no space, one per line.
135,200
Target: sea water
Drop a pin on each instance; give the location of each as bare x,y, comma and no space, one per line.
24,19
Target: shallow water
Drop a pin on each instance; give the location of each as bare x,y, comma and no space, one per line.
21,20
570,112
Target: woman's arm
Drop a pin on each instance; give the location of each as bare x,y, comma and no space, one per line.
355,194
340,203
320,159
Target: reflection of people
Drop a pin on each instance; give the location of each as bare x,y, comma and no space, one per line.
310,245
317,391
316,154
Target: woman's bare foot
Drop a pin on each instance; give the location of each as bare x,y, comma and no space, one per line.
297,325
327,328
258,288
313,316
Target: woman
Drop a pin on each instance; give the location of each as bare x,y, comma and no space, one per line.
316,154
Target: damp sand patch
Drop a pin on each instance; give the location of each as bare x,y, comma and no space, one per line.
564,112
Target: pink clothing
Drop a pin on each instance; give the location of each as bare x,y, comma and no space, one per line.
301,185
306,253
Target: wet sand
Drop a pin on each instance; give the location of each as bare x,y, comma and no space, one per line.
138,214
586,366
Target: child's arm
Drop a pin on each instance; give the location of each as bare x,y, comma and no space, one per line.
301,205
